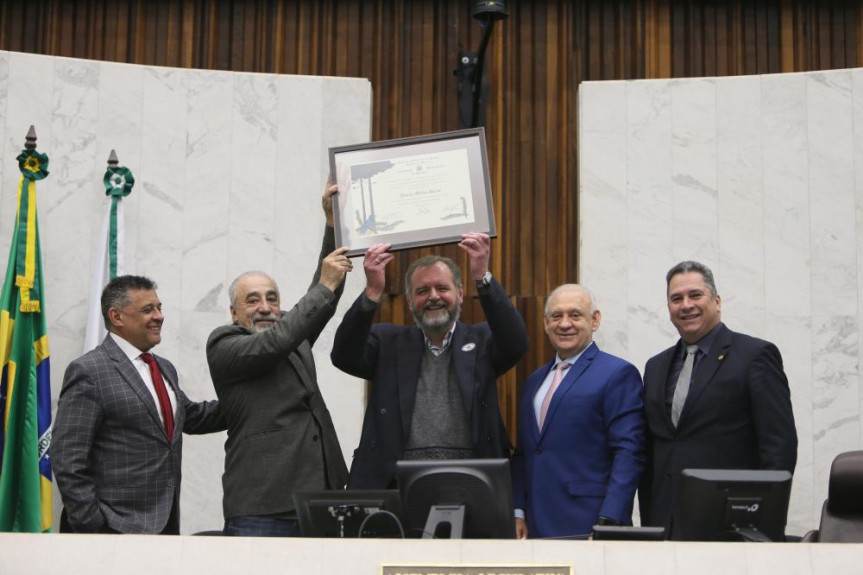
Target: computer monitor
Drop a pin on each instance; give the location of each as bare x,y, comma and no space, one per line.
455,499
344,514
731,505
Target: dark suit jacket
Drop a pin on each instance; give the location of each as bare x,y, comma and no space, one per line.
390,356
588,458
113,461
281,438
737,415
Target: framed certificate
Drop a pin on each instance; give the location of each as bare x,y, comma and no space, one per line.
412,192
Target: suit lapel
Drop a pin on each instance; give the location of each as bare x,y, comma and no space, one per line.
132,378
409,351
305,377
464,359
707,368
572,375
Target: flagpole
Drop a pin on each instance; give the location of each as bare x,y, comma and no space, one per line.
25,388
118,182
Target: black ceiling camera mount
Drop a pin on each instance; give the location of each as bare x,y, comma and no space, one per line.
472,84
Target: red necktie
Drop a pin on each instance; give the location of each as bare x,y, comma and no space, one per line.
161,393
555,383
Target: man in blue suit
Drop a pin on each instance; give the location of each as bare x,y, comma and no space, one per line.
580,451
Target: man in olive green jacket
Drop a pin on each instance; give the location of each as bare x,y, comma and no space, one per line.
281,438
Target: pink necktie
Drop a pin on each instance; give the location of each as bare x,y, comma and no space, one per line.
555,383
161,393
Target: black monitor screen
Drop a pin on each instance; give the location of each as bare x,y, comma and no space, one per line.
731,505
349,513
467,498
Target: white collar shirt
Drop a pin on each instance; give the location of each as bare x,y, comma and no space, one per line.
447,339
134,355
546,383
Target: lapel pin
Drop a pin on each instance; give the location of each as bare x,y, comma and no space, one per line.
721,357
468,347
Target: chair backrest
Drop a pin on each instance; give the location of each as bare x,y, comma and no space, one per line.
842,514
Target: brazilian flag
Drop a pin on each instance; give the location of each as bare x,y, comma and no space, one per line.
25,388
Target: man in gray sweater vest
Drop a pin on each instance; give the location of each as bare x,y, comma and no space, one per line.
434,385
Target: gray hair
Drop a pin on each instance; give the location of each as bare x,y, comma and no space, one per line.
116,293
232,289
571,287
692,266
427,261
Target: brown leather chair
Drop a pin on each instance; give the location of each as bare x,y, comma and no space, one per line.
842,513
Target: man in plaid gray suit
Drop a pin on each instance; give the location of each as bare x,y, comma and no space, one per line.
118,436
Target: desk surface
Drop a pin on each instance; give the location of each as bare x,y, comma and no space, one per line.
56,554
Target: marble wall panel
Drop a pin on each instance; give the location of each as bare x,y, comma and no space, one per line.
203,455
118,128
161,195
252,197
740,201
693,152
341,99
120,90
857,88
650,210
141,555
29,105
603,193
70,194
759,177
203,301
787,272
121,102
302,169
785,159
836,395
226,167
831,192
793,336
207,189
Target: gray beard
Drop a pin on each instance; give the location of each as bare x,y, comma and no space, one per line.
439,325
263,326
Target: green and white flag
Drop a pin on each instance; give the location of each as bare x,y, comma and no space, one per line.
109,259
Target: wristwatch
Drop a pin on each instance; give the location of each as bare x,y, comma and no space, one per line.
483,282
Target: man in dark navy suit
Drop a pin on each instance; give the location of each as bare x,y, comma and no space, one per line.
716,400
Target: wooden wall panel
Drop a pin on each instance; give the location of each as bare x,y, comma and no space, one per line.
408,49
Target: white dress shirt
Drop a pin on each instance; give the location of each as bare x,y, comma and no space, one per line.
134,355
546,383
